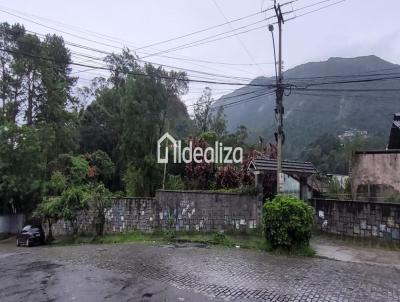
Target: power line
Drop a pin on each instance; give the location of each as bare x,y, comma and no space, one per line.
139,60
341,95
207,39
104,44
237,37
308,6
350,75
315,10
349,90
143,61
202,30
353,81
233,96
113,46
253,98
132,73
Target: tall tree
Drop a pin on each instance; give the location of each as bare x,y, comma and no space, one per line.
202,110
10,82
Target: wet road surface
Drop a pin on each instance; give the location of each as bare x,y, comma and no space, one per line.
141,272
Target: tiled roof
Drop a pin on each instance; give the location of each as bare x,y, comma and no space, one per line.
288,167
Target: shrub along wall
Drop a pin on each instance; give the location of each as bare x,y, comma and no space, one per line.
178,210
357,218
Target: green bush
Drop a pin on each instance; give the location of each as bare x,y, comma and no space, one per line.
221,238
174,182
287,222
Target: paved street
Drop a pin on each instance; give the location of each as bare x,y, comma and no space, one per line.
139,272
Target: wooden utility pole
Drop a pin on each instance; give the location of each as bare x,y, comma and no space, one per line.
279,102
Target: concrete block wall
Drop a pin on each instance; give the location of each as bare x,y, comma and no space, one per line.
128,214
208,211
357,218
179,210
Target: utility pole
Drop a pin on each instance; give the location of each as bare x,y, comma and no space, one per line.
279,110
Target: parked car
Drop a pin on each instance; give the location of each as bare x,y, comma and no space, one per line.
31,235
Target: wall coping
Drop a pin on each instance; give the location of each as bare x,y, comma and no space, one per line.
206,192
130,197
359,201
388,151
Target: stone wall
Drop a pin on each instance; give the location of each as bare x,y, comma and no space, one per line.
358,218
376,175
195,211
126,214
179,210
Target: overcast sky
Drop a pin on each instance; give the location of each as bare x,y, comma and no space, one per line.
348,29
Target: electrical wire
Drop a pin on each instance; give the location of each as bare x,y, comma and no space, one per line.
106,44
245,100
132,73
313,11
237,37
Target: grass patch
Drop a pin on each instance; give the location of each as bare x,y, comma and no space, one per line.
249,240
110,238
302,251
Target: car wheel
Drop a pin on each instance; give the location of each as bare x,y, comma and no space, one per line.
18,244
28,243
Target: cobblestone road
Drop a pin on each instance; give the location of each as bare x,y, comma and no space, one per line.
235,274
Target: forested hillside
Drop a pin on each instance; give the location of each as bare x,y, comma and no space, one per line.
314,108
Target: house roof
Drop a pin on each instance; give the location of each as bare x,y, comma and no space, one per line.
267,165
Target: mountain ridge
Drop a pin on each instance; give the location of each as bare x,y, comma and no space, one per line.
331,109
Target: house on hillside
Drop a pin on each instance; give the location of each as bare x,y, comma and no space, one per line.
352,133
376,173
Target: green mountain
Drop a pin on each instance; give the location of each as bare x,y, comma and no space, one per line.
328,109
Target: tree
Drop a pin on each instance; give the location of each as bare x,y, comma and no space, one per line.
101,167
227,177
199,175
10,82
218,123
128,116
202,110
332,155
74,202
21,168
99,201
49,210
66,193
